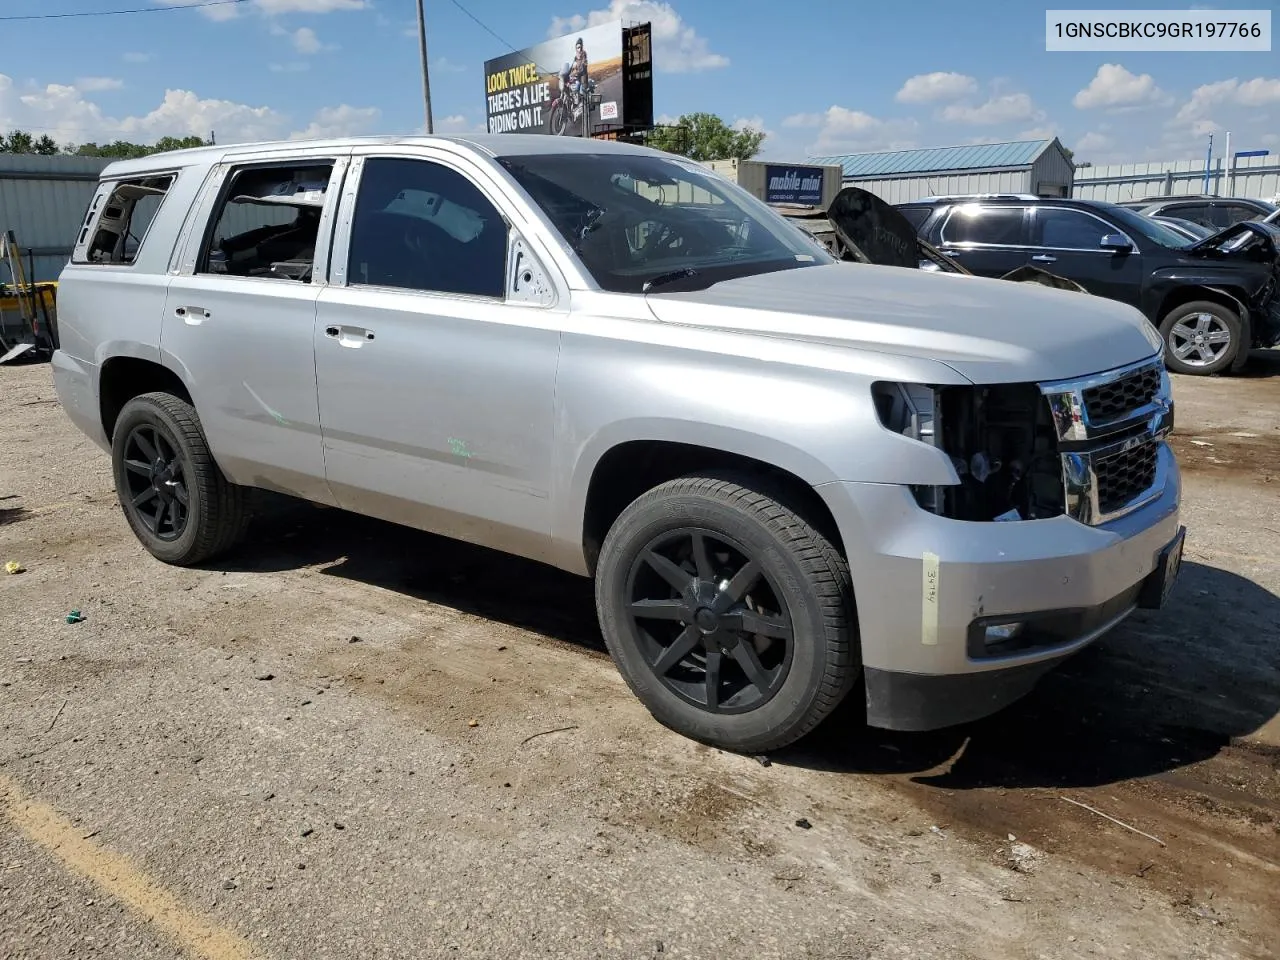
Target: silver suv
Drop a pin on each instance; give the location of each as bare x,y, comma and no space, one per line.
786,474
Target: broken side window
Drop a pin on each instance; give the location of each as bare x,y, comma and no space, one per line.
126,217
267,222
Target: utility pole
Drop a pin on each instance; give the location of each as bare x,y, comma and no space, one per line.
426,77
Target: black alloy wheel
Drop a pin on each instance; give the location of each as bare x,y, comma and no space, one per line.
155,480
728,612
176,499
709,621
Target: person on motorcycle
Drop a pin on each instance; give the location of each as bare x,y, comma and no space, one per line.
572,75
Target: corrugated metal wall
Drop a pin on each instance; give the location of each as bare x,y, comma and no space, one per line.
1254,177
905,189
42,200
1052,174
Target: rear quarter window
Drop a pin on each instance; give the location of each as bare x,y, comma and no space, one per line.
117,233
916,216
980,223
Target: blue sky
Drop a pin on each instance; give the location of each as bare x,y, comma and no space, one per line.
820,77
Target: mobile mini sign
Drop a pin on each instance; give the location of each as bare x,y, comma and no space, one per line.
798,185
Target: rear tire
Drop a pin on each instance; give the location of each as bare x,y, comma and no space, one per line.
176,499
728,614
1201,338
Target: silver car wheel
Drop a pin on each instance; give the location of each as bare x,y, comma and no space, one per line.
1200,339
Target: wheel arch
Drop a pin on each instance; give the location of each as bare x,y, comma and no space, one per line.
622,470
122,378
1228,297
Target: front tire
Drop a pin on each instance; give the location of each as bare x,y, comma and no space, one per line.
558,121
1201,338
177,502
727,613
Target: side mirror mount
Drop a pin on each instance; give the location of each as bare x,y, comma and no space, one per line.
1116,242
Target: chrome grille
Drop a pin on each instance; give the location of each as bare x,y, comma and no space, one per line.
1109,402
1123,477
1111,428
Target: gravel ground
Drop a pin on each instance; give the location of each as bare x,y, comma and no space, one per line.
354,740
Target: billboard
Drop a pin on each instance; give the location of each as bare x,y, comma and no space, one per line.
799,185
523,90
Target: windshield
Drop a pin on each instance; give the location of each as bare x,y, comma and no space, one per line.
1152,230
641,223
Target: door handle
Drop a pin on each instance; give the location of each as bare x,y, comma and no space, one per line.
1044,258
348,336
192,314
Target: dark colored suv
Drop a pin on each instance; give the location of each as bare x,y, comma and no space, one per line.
1217,213
1211,300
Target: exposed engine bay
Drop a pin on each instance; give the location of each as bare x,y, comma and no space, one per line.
1001,440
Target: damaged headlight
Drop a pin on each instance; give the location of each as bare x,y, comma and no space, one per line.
1000,439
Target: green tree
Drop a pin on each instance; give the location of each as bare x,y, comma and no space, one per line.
704,136
124,150
19,141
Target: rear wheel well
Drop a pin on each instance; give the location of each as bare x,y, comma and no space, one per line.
123,378
630,469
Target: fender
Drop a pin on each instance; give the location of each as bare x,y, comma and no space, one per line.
1246,328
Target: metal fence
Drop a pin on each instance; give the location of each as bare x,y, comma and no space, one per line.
42,200
1257,177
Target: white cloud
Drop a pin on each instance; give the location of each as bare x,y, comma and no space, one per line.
1010,108
271,8
842,130
1044,131
1257,92
677,47
293,66
226,11
1114,86
305,41
444,64
748,123
803,120
1094,141
66,114
98,84
459,123
935,87
137,57
340,121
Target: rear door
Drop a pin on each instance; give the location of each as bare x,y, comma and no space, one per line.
988,239
240,314
1068,242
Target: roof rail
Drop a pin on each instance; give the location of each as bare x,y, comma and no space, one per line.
979,196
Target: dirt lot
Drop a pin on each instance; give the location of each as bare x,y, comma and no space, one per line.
212,764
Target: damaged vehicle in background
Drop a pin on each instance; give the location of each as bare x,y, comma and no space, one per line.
1212,300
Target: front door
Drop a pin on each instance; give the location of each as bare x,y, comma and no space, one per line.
986,239
436,389
1068,242
239,318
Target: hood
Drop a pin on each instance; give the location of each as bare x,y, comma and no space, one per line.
1269,232
990,331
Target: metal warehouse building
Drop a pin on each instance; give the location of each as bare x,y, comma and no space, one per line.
42,200
1039,167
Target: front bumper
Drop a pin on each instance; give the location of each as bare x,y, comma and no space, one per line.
925,584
